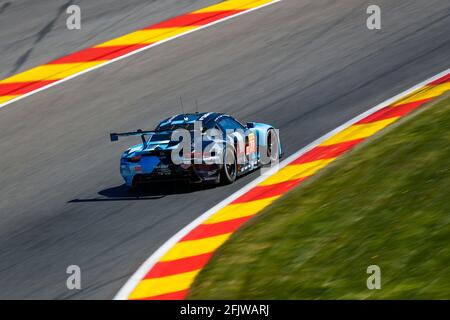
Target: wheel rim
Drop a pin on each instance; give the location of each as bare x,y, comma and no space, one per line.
230,165
271,145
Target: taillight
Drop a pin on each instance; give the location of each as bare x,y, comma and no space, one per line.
134,159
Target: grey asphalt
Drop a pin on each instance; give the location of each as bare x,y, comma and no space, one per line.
34,32
303,66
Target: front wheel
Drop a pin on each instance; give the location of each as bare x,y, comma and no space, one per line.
229,169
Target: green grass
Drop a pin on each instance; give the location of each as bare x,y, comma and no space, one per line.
386,203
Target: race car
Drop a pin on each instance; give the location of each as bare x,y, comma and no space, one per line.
197,147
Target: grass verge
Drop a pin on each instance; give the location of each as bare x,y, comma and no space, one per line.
386,203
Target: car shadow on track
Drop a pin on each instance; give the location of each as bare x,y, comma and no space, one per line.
148,192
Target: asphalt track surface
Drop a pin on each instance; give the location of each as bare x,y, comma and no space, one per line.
34,32
304,66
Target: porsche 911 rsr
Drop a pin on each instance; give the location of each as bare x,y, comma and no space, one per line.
198,148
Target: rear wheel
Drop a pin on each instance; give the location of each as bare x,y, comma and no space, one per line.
135,189
272,147
229,169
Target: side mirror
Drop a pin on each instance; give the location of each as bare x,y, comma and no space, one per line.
250,125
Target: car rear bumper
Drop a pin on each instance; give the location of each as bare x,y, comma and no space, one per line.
175,174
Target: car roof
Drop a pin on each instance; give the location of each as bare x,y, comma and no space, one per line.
191,118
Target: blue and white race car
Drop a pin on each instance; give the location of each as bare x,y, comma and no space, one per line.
198,148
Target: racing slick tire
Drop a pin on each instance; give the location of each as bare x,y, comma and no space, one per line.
273,154
228,172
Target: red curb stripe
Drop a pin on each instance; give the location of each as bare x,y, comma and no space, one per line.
17,88
168,268
215,229
179,295
444,79
262,192
98,53
326,152
193,19
393,112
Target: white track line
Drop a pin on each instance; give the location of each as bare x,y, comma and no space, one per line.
126,290
132,53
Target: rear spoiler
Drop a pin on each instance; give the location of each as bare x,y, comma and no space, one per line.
115,136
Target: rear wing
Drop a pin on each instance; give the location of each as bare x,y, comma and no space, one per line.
115,136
